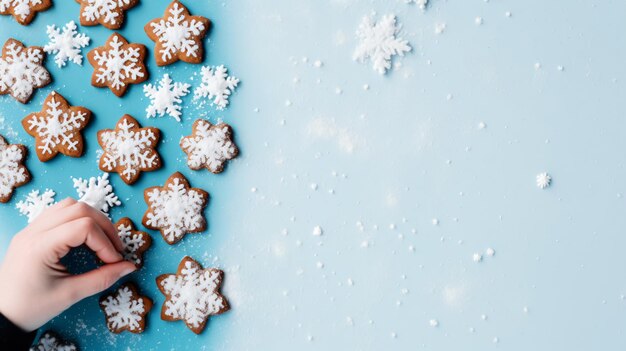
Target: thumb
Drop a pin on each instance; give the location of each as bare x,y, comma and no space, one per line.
98,280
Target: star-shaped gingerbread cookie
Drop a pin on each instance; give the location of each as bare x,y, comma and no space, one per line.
125,309
178,35
57,128
118,64
129,149
135,242
22,70
13,173
209,146
192,294
175,209
23,11
109,13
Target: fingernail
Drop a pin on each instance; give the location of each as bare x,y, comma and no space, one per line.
127,271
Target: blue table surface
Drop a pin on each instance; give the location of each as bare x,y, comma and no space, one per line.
373,168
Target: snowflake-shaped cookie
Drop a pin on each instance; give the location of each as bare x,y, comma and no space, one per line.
109,13
118,64
96,192
13,173
125,309
35,204
178,35
166,98
23,11
175,209
50,341
192,294
135,242
421,3
378,42
22,70
66,44
217,85
57,128
129,149
209,146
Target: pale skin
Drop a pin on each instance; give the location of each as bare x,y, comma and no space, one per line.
38,287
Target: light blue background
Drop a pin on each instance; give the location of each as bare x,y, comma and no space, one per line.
386,162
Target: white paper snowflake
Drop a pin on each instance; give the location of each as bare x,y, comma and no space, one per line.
378,42
421,3
12,171
216,85
52,342
166,98
96,192
22,70
109,12
35,204
67,44
192,295
175,209
124,310
178,32
543,180
209,146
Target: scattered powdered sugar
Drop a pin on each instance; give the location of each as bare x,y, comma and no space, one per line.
52,342
66,44
97,192
34,203
317,231
216,86
378,42
421,3
166,98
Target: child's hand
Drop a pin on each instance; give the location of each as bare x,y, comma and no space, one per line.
34,286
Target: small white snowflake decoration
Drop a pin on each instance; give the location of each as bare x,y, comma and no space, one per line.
50,341
379,42
421,3
166,98
35,204
178,35
209,146
66,44
192,294
13,173
216,86
543,180
22,70
97,192
125,309
175,209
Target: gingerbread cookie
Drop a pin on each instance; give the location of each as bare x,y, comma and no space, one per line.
57,128
23,11
109,13
125,309
192,294
178,35
51,341
13,173
129,149
118,64
22,70
175,209
209,146
135,242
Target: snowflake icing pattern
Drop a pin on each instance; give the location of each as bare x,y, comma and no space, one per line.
135,242
217,85
379,43
51,342
66,44
35,204
166,98
97,192
209,146
12,171
117,64
57,128
178,35
129,149
109,13
22,70
23,10
125,309
192,295
175,209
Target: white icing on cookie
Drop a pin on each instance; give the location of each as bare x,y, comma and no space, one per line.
117,65
209,146
123,310
22,70
106,11
12,173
